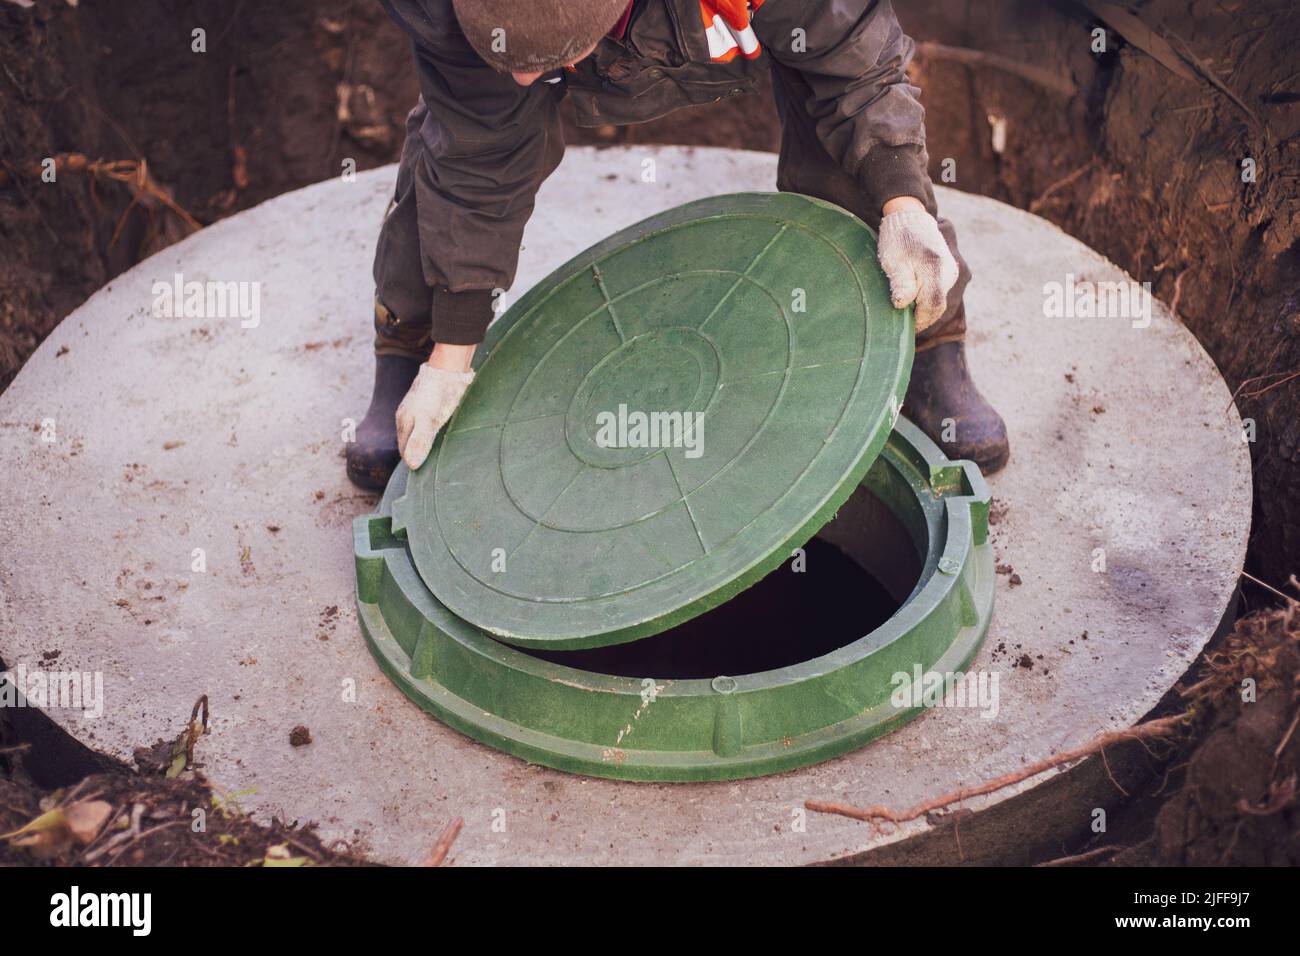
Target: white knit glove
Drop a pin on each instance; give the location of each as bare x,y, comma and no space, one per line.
920,267
428,405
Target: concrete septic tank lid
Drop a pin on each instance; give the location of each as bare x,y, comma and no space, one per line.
762,321
179,522
651,727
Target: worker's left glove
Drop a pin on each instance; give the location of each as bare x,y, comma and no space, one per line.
428,405
920,267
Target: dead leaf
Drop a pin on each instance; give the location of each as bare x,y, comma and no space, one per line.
279,855
85,819
44,836
183,748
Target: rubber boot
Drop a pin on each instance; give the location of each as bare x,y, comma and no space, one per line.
945,404
373,455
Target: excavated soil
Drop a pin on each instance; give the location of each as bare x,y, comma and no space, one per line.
64,805
1233,797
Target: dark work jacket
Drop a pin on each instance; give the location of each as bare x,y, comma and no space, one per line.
487,143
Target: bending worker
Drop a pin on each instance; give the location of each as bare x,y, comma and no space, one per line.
487,131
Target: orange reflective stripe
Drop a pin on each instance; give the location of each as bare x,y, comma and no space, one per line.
728,30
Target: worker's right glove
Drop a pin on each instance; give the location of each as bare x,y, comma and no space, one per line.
920,266
430,402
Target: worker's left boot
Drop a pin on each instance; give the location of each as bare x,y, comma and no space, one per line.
945,404
373,454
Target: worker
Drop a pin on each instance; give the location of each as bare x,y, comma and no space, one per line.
486,132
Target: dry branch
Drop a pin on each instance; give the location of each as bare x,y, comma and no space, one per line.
1161,727
133,173
443,846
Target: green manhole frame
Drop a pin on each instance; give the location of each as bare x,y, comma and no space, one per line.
731,727
599,623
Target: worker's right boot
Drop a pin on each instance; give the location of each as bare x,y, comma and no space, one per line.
373,455
945,404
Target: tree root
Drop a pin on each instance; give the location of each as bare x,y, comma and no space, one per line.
1161,727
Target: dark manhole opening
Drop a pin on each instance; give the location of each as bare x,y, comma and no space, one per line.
858,571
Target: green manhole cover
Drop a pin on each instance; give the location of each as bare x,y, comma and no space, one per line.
914,509
658,422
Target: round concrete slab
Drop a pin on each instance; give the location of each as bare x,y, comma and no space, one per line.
177,519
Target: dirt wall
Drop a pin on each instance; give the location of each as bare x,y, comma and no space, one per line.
1139,151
